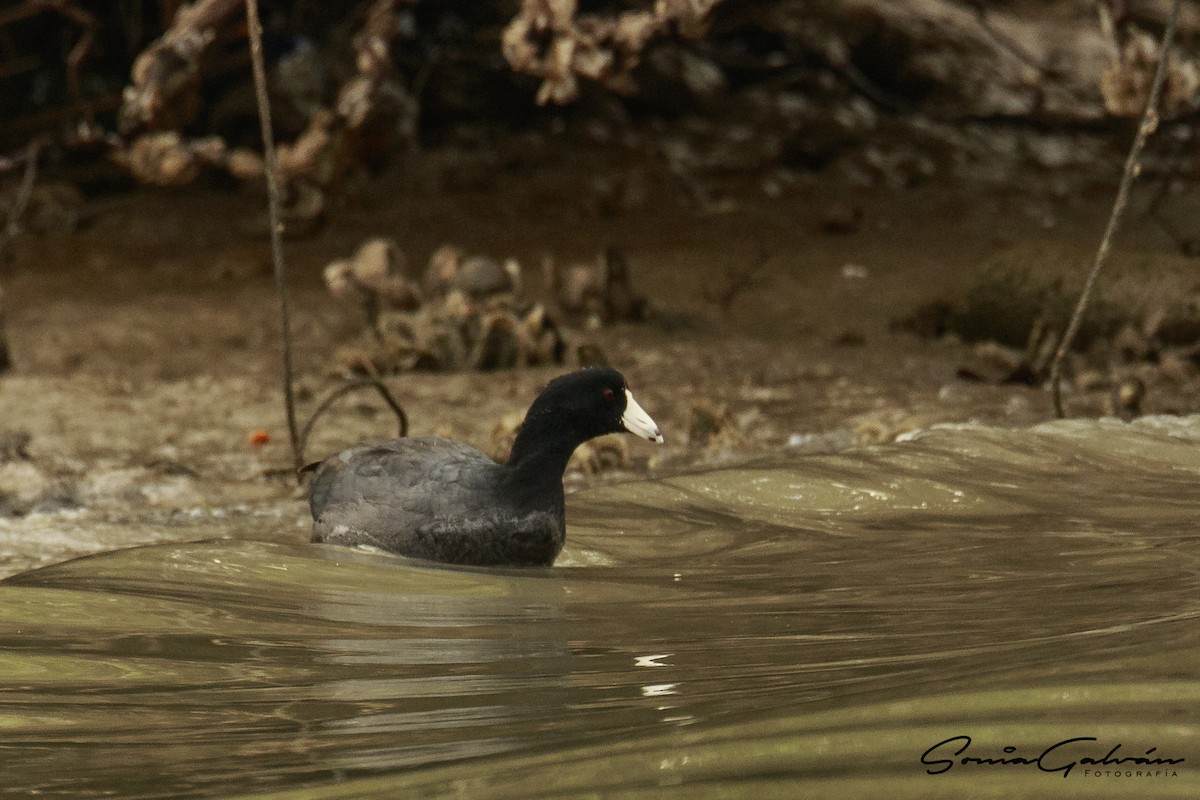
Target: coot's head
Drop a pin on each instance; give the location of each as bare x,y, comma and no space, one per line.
583,405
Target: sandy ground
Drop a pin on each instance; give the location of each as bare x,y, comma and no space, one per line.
146,342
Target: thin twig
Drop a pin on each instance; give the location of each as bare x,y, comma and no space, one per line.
1147,126
275,208
369,381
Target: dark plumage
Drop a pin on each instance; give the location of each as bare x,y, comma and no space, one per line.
437,499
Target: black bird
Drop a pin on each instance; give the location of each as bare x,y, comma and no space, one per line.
433,498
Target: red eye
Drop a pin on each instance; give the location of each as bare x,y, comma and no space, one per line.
608,395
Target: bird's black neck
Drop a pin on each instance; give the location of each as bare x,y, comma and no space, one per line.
539,455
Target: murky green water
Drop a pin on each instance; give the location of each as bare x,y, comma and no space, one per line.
795,629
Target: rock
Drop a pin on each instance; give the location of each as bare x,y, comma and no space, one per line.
1127,397
481,277
477,277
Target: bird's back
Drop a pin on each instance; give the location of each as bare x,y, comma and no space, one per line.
428,497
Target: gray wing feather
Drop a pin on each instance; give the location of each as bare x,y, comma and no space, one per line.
426,497
395,471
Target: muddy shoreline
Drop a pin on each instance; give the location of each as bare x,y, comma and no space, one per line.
146,350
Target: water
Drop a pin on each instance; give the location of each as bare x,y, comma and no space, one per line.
789,629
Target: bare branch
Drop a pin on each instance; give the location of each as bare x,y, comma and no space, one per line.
548,40
346,388
1146,127
164,78
275,206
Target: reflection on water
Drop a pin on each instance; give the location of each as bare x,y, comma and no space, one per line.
806,628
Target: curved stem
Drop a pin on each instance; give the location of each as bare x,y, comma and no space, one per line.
1147,126
275,209
345,389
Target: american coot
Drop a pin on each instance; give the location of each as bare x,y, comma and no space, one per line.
433,498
